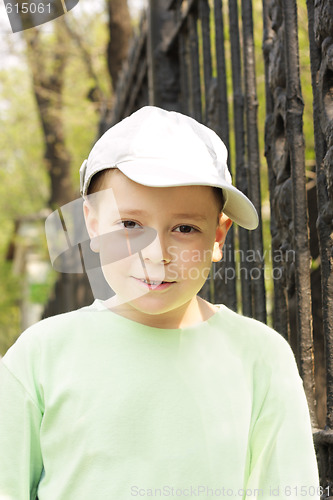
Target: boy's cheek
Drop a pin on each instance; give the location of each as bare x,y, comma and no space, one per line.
194,257
126,266
190,264
182,272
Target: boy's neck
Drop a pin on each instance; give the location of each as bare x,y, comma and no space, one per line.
190,314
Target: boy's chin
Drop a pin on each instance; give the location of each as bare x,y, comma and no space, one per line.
141,304
123,299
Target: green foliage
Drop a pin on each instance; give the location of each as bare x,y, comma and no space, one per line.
24,182
81,115
39,292
10,289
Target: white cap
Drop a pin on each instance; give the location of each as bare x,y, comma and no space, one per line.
162,148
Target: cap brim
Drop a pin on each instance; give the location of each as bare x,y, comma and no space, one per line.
237,206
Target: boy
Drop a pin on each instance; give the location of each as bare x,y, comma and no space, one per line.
155,392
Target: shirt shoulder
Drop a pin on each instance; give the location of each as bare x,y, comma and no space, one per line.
254,338
48,331
54,341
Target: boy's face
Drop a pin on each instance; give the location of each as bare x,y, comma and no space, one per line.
165,277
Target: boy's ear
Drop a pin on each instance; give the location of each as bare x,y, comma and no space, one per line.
91,220
221,234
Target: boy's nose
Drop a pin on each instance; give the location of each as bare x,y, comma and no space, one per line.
157,251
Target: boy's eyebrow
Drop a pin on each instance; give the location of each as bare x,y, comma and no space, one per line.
187,215
132,211
190,216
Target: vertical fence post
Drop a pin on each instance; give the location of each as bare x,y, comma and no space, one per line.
322,84
196,100
225,289
257,277
240,168
163,69
185,81
280,310
278,164
204,14
320,33
294,131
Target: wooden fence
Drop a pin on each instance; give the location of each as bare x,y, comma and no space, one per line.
198,57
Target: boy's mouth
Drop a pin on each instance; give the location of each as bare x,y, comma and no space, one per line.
154,284
151,282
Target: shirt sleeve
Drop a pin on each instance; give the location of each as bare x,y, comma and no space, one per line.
282,458
20,455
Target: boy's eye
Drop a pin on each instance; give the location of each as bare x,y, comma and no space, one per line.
184,228
130,224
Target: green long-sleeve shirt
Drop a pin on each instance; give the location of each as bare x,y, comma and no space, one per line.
96,406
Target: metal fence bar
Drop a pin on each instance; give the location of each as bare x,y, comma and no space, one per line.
196,107
324,201
204,15
222,127
240,169
184,71
323,439
224,288
251,107
207,292
280,310
137,86
294,131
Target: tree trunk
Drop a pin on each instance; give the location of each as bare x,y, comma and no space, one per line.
120,28
47,69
